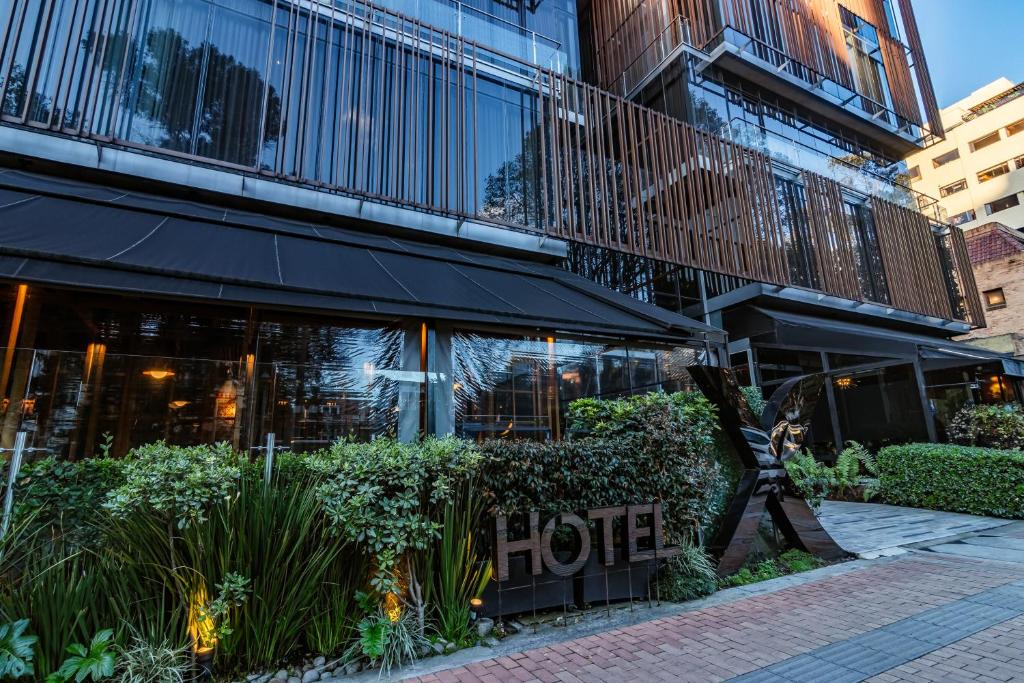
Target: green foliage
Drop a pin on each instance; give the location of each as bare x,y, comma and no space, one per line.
380,494
388,642
755,399
16,650
988,426
654,447
979,481
143,662
764,570
794,561
816,481
176,481
95,662
687,576
63,497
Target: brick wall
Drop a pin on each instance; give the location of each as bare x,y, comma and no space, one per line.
997,254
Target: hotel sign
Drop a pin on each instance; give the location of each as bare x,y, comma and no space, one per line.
538,543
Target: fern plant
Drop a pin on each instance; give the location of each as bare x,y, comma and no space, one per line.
93,663
16,650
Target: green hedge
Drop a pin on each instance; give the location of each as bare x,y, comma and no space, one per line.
979,481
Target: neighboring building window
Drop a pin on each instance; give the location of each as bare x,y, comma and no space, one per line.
994,298
944,159
994,172
984,141
866,61
1015,127
953,188
915,173
1007,202
1019,161
963,217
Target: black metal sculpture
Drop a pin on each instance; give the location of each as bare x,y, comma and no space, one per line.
763,443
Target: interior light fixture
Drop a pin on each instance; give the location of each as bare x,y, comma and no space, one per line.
158,373
178,404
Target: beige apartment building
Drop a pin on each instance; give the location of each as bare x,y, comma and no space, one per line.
977,171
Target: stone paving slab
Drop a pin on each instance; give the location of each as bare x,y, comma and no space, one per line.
871,529
849,624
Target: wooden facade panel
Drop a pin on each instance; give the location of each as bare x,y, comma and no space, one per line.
831,238
631,36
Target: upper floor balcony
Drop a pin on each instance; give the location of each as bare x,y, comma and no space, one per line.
858,62
350,100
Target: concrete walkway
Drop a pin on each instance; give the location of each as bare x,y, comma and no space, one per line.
873,530
949,609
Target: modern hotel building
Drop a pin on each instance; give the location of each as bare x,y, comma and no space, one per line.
221,219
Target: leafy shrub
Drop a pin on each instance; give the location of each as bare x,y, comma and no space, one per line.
380,495
176,481
814,480
655,447
16,650
94,662
63,497
755,399
989,426
979,481
687,576
387,637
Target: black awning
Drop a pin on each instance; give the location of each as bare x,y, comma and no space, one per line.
835,336
62,232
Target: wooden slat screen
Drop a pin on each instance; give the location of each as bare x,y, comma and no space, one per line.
911,260
628,178
809,32
964,272
831,237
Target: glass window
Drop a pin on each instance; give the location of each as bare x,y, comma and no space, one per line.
519,388
984,141
963,217
796,231
993,172
860,221
953,188
879,407
994,298
866,62
914,172
1007,202
1015,127
1018,162
891,19
943,159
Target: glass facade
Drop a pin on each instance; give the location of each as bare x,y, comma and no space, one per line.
520,387
85,374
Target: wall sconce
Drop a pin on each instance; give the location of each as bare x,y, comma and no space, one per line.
157,373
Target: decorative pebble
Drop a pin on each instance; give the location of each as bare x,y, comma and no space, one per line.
319,662
484,626
310,676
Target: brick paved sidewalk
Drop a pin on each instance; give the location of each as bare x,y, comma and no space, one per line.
960,611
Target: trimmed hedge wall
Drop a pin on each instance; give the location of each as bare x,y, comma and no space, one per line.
979,481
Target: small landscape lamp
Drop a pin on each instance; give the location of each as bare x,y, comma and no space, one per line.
476,605
204,662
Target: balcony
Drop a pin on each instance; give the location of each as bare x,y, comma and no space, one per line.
387,111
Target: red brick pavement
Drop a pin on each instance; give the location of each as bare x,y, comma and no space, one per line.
726,640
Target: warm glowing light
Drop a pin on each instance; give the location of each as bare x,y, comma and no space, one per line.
844,382
457,386
201,626
178,404
158,374
476,602
392,607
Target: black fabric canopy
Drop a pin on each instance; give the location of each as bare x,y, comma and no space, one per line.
63,232
792,329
